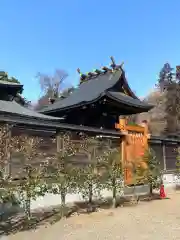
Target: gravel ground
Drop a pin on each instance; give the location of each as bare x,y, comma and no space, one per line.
149,220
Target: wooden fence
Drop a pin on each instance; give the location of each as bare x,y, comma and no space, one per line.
165,150
134,140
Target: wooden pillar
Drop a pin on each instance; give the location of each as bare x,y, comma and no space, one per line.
122,126
164,155
145,134
122,122
8,149
60,142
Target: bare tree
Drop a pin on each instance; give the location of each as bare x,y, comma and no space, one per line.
156,116
52,85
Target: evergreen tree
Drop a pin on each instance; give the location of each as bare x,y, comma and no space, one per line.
153,172
165,77
172,103
170,88
178,162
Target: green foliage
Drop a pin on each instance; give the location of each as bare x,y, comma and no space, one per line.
31,185
169,85
172,109
132,124
87,178
178,162
87,182
30,188
139,173
63,175
112,174
165,77
153,173
103,170
8,196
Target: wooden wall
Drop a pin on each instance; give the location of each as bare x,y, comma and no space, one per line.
47,149
166,152
135,142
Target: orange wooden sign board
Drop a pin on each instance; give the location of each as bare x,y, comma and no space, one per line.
133,147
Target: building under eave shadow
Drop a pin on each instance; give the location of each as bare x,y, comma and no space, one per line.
102,96
27,120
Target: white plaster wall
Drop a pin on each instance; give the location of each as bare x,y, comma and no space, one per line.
53,200
171,180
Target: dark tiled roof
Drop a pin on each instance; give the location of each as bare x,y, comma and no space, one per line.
87,92
14,113
15,108
93,89
124,99
59,126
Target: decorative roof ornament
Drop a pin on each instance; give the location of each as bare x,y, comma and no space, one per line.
113,64
96,72
3,75
79,71
122,64
51,100
91,74
82,76
105,69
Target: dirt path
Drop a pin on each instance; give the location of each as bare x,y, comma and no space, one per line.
153,220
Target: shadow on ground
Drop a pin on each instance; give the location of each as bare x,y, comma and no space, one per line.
155,196
177,188
12,224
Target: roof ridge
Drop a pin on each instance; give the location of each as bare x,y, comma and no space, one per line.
98,72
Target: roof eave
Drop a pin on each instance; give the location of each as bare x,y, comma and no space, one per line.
131,93
18,86
81,104
57,126
144,107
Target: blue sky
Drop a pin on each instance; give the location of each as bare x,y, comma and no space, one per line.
40,36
